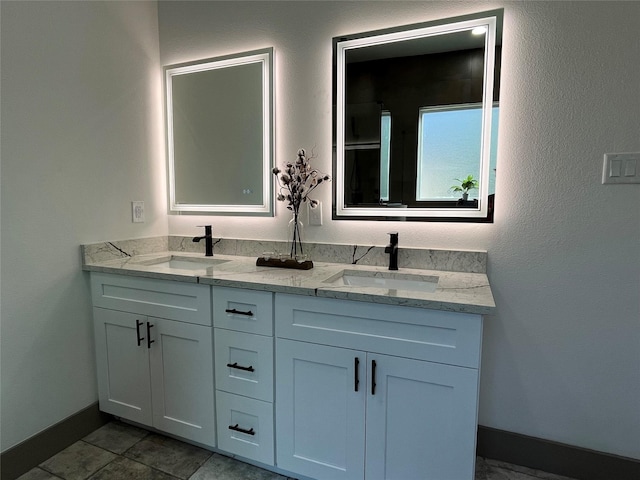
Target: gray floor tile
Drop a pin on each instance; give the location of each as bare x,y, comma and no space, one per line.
117,437
497,473
481,469
219,467
37,474
168,455
123,468
520,470
78,461
155,457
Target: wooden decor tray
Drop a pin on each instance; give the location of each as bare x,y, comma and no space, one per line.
286,263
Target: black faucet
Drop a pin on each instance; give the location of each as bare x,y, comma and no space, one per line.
208,240
392,250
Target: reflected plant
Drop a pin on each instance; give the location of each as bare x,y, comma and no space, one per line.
466,184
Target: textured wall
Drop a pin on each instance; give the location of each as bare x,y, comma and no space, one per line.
81,139
562,354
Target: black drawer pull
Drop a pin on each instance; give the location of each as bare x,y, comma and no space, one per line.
239,312
240,367
242,430
149,341
356,380
139,338
373,377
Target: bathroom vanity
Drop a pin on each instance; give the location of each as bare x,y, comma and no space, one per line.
296,371
345,371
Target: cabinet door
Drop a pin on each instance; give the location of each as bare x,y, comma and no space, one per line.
182,379
319,413
421,420
124,388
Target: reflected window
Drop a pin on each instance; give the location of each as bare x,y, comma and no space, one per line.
385,154
449,144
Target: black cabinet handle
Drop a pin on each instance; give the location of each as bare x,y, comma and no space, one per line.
242,430
373,377
138,337
356,380
240,367
248,313
149,341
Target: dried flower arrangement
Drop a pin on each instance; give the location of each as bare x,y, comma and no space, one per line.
296,182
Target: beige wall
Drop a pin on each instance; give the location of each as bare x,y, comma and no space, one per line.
561,356
82,137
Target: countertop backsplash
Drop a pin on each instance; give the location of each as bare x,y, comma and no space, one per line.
372,255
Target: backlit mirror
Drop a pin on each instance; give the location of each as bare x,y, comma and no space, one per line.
416,121
219,116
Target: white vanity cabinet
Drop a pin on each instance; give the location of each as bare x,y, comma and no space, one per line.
243,321
154,352
375,391
323,388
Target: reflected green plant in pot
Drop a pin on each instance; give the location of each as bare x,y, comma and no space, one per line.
466,184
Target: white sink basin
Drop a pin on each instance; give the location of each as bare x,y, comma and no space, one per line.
185,263
387,280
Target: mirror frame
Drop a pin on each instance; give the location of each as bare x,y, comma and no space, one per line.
264,57
492,20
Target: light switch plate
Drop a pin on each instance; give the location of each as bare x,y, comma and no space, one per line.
315,215
137,212
621,168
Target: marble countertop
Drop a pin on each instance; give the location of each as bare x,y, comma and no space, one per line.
455,291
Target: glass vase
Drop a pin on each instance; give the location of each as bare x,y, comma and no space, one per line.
294,242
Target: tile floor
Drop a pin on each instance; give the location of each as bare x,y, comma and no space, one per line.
121,451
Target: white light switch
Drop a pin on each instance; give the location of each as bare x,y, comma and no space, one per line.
621,168
614,168
630,168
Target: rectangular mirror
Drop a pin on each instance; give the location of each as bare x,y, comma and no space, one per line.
219,115
416,121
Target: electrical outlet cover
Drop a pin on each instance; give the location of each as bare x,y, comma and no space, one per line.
315,215
137,212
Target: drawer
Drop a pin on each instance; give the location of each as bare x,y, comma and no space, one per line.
252,355
184,302
237,415
423,334
243,310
